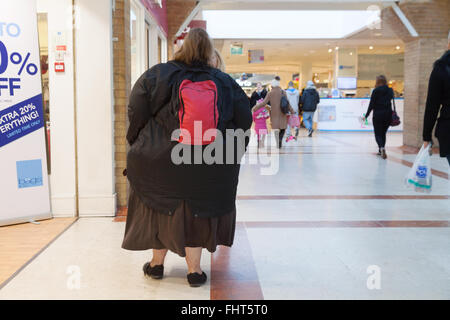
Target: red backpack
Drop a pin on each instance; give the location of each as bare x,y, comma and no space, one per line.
198,112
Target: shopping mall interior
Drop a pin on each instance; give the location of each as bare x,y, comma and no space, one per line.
324,217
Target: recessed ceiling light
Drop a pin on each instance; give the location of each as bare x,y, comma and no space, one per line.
330,50
397,47
371,47
351,53
337,48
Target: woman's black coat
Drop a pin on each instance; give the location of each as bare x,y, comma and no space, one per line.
381,104
209,189
257,96
438,100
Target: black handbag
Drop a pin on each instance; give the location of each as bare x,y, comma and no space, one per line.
284,104
395,120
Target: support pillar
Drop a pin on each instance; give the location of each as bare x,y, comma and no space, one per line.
431,22
122,88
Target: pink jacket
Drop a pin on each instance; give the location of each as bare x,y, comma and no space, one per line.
259,117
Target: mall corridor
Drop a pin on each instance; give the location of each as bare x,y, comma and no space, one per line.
331,219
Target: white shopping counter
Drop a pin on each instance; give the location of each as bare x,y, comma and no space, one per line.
344,114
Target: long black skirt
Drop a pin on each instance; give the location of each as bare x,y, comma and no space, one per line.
148,229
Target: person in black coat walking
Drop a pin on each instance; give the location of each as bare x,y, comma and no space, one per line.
438,101
381,105
258,94
309,99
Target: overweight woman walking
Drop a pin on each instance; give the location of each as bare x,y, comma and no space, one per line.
182,207
381,105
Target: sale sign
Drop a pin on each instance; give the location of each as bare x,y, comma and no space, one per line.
24,190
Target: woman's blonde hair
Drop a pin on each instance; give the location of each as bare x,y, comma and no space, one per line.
197,48
217,61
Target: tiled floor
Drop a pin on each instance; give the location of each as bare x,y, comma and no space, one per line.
316,229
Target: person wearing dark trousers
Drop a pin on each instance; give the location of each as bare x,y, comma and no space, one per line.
381,105
438,102
310,99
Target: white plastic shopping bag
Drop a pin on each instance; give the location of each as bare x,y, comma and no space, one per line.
419,177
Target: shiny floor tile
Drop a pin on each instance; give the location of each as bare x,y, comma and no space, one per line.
87,262
337,263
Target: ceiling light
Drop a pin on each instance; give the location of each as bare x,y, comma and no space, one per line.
351,53
397,47
337,48
371,48
330,50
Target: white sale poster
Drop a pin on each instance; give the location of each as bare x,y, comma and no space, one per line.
24,189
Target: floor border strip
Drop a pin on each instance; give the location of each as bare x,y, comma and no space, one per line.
350,224
241,281
342,197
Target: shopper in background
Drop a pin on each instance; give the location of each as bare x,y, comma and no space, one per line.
259,118
310,99
258,94
278,119
294,98
381,104
181,207
438,102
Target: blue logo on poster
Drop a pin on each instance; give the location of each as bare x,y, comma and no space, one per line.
29,173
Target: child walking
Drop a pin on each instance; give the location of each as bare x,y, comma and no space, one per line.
259,117
293,123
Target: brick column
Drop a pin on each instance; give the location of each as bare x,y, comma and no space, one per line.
122,88
431,20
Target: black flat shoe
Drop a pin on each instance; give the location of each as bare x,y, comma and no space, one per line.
155,272
195,279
